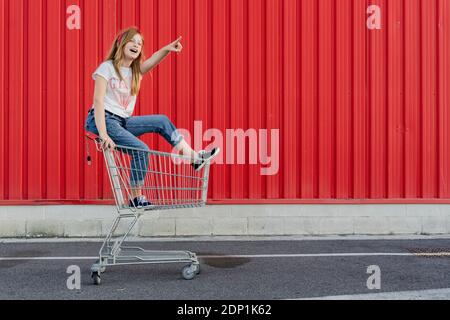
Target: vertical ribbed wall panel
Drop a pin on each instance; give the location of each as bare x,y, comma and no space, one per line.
4,186
363,115
16,99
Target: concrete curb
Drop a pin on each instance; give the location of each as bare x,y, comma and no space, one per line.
230,220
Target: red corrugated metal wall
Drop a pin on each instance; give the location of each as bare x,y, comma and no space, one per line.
363,114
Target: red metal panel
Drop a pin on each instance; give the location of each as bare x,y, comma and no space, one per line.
127,13
377,108
15,106
220,91
73,126
256,88
53,98
291,157
429,98
363,114
412,99
395,103
360,106
91,60
309,112
34,101
166,81
202,66
237,94
326,101
344,98
274,93
3,94
147,96
184,67
444,98
110,27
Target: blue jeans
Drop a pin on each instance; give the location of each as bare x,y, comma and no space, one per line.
125,132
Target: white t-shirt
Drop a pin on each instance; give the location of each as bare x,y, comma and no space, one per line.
118,98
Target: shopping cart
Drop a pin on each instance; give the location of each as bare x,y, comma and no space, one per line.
169,182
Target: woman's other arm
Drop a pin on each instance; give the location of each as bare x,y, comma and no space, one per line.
99,111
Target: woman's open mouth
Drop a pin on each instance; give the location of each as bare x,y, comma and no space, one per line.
134,50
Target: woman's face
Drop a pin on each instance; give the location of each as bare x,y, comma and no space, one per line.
133,48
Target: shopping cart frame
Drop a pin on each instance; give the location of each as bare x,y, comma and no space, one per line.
113,252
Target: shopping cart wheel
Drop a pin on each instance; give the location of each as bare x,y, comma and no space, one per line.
102,269
96,278
189,272
197,268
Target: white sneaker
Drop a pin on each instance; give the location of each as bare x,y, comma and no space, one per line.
205,156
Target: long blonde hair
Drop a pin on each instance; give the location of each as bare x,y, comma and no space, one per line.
116,55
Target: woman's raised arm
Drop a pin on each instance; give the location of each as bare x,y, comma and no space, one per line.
159,55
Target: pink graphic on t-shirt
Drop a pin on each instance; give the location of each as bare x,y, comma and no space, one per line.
120,91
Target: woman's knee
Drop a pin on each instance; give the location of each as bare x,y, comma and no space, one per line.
165,120
143,150
167,126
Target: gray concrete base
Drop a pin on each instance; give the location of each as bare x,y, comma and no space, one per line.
230,220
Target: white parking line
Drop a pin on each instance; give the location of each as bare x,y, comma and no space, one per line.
433,294
46,258
309,255
294,255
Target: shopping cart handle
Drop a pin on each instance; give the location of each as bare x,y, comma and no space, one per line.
93,136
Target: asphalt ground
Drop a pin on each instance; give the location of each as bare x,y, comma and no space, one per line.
329,268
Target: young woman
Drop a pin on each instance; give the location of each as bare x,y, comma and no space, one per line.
117,83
